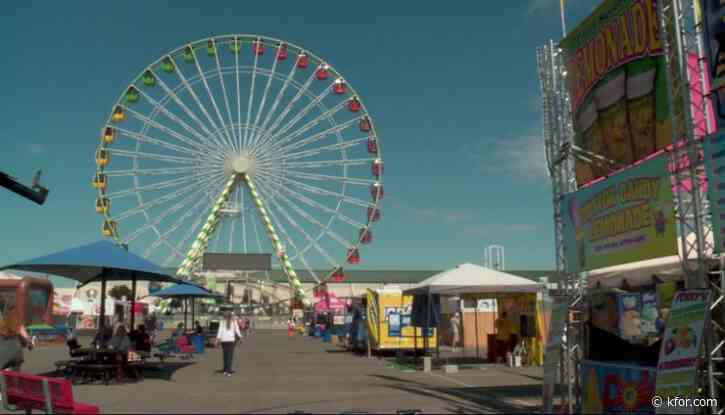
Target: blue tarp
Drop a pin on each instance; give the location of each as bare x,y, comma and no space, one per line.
88,262
185,290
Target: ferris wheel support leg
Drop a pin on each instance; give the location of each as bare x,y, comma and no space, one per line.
281,254
202,240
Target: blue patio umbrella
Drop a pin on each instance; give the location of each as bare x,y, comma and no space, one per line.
102,260
186,291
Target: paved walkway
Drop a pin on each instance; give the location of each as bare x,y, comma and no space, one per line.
275,374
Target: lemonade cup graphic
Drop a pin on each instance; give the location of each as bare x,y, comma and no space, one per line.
641,105
611,102
591,139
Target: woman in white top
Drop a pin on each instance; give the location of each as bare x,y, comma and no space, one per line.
227,336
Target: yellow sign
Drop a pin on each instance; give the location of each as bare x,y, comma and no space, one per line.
389,324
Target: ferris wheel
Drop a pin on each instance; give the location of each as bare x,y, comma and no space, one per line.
241,144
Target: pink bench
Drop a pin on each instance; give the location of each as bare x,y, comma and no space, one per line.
31,392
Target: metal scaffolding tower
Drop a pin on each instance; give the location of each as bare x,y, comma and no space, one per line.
682,39
558,141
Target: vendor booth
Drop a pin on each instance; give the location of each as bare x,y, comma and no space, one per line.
489,299
391,322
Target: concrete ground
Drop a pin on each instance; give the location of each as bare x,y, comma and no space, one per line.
275,374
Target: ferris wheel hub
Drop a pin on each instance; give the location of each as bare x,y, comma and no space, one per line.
240,164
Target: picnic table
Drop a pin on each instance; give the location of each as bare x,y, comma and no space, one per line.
104,364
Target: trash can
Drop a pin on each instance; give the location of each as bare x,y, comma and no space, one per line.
198,342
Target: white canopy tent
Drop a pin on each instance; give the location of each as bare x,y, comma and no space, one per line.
474,279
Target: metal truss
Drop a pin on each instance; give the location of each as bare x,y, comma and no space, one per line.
682,35
558,139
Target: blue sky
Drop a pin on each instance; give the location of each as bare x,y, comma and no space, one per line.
452,87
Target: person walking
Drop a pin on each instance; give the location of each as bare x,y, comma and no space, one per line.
227,336
504,329
290,328
13,337
151,326
456,330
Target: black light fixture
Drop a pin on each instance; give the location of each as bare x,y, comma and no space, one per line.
36,192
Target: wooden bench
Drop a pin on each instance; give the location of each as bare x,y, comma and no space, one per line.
31,392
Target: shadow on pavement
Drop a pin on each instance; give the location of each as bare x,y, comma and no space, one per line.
470,399
165,371
162,372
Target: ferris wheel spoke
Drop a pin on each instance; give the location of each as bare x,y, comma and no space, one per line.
174,97
298,252
167,212
309,202
143,138
264,140
213,101
157,125
316,151
180,74
234,198
279,148
300,115
149,172
163,199
312,241
226,100
200,208
217,238
177,250
270,77
329,163
291,104
322,192
160,185
309,218
251,98
243,218
153,156
326,178
309,125
256,234
277,100
202,144
159,238
239,102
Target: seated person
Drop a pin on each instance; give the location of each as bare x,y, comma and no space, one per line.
120,341
179,331
102,337
142,340
198,329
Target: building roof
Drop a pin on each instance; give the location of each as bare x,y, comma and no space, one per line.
395,276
